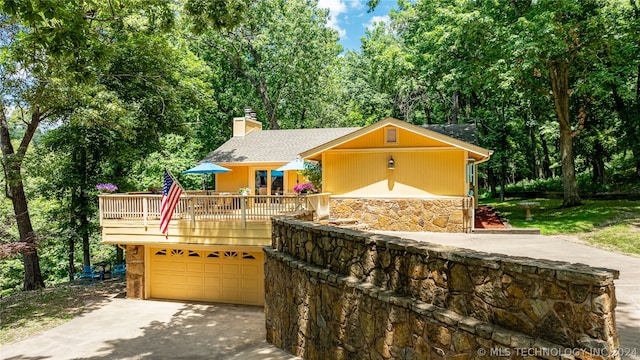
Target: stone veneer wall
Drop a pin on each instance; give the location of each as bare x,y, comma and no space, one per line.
135,271
434,215
335,293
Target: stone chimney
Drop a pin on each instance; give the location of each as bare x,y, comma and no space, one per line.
244,125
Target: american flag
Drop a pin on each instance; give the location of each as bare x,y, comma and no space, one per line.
170,195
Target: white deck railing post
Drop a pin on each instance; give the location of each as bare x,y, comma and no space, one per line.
192,207
145,210
243,211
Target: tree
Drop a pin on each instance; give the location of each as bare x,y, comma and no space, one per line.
49,50
281,49
550,46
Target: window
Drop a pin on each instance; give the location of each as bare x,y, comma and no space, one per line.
391,136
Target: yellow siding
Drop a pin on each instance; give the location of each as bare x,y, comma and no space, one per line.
375,139
234,180
290,180
420,173
181,231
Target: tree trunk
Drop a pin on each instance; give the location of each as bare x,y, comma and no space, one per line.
491,179
535,157
12,163
455,107
119,255
599,173
546,158
72,265
559,71
82,211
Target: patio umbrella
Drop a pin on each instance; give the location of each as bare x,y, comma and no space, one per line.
206,168
297,164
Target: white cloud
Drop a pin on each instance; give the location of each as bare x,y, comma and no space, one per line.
336,7
376,19
356,4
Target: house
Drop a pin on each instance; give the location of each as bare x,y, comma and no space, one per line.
391,175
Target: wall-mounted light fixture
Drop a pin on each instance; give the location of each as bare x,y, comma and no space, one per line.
392,164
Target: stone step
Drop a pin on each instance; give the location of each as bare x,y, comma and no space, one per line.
363,227
529,231
339,222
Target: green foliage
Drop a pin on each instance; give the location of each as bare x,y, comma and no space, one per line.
279,60
313,172
122,94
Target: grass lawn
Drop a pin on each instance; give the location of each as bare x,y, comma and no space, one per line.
609,224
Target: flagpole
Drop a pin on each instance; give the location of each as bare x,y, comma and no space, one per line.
174,179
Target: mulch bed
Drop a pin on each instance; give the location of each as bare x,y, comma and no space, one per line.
486,218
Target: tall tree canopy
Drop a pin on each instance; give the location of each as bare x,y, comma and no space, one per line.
50,52
281,51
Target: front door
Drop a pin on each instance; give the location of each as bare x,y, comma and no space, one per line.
267,182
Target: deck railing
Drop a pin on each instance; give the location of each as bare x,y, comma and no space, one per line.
146,207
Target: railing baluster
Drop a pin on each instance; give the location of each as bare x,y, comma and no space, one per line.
145,208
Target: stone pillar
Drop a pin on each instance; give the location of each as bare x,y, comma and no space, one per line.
135,271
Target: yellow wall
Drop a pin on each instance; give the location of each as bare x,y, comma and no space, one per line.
431,173
360,167
375,139
234,180
244,176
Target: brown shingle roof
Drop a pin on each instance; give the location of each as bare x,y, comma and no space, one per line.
285,145
464,132
273,145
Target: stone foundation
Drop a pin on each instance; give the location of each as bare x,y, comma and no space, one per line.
434,215
342,294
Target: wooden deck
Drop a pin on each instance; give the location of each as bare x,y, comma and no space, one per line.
145,208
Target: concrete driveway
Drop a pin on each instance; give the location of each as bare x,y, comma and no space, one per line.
568,249
120,328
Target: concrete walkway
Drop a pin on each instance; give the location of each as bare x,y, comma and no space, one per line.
563,249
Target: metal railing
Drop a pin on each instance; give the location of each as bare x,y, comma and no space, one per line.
146,207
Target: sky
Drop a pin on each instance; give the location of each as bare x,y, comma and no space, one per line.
350,18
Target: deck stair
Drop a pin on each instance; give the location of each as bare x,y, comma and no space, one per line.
346,223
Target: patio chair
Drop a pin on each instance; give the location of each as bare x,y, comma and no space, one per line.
119,270
89,272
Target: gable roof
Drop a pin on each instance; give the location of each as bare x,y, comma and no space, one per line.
274,146
482,154
281,146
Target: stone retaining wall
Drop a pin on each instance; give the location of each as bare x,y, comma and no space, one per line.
435,215
343,294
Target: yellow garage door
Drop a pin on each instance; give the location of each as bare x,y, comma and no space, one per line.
226,275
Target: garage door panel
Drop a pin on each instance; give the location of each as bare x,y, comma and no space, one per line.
251,270
208,275
194,280
232,283
195,267
212,268
247,284
230,268
210,280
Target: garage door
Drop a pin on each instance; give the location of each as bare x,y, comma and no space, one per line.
226,275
